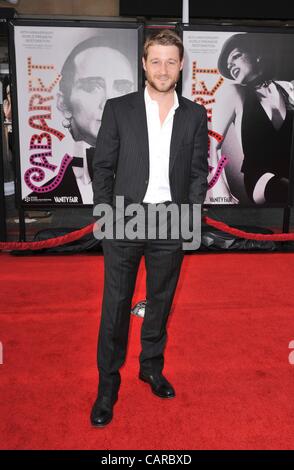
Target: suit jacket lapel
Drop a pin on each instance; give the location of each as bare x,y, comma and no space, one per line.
178,132
139,124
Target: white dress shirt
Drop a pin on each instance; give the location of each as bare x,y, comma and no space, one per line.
159,137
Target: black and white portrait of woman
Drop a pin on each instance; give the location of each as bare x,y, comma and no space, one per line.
244,81
260,108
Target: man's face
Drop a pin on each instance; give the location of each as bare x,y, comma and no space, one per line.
162,67
101,73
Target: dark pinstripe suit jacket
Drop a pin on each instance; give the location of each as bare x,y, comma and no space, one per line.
121,160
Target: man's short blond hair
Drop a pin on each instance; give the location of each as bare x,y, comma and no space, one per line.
165,37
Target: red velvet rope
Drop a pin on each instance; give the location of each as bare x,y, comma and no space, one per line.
278,237
77,234
50,243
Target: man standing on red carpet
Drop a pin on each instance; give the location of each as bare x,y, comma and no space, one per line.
152,150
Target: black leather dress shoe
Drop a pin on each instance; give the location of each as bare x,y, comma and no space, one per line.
102,412
159,385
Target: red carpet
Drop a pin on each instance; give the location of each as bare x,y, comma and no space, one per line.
227,357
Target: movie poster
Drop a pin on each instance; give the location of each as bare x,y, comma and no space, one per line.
64,76
244,80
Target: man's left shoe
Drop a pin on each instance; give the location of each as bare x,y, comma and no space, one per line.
159,385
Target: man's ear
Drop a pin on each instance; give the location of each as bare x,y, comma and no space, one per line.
61,106
182,65
144,63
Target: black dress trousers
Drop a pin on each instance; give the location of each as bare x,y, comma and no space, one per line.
163,259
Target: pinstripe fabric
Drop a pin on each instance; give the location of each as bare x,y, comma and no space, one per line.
163,259
121,168
121,160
